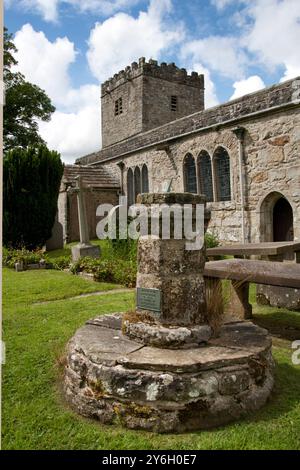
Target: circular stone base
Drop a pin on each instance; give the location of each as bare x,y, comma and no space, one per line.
117,380
170,338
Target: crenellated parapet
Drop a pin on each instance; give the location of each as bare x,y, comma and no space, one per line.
164,71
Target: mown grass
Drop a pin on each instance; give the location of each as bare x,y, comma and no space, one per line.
38,286
35,415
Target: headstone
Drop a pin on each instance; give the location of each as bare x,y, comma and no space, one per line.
56,242
19,266
84,248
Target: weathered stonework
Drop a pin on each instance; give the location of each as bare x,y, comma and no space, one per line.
177,273
280,297
116,380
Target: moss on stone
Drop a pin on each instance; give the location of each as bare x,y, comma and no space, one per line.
97,388
135,317
138,411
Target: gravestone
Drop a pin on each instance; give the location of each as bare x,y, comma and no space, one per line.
160,367
56,242
84,248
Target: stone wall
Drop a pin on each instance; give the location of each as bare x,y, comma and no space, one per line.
157,94
117,128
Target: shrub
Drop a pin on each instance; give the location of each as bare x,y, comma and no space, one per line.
59,263
211,240
31,180
109,270
10,257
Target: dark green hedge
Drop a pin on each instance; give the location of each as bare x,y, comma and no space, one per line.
31,181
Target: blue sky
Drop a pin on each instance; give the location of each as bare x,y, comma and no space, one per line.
68,47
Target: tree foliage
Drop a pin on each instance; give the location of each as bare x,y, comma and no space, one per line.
31,184
25,104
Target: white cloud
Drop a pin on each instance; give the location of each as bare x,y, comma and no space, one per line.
211,98
219,53
74,129
268,36
76,133
275,34
249,85
46,8
45,63
291,72
121,39
49,9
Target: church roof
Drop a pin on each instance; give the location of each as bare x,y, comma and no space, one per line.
98,178
250,106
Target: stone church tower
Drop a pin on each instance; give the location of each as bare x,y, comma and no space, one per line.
145,96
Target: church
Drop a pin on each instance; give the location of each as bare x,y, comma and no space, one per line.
244,155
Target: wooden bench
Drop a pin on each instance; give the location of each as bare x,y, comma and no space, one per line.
241,272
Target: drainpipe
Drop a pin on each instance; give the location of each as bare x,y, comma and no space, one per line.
240,134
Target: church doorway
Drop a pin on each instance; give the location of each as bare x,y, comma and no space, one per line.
276,219
283,227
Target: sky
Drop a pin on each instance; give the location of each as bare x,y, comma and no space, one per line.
69,47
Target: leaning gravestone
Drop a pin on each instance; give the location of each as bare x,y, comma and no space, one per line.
160,368
84,248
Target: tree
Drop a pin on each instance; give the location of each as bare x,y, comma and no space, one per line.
25,104
31,184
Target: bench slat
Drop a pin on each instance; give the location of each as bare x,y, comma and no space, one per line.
259,272
260,249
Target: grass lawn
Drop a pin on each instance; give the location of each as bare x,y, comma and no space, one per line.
34,413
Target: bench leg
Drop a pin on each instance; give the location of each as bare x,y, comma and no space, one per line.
239,305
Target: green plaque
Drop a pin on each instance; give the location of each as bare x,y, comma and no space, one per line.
149,299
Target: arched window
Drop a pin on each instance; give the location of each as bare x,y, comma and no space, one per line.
205,176
130,190
222,174
137,183
189,172
145,179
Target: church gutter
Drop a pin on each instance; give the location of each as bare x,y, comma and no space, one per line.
215,126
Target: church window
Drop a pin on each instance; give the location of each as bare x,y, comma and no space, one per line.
137,183
189,171
130,188
205,175
222,173
118,106
145,179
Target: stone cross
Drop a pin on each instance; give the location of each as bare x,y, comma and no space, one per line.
84,248
82,217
